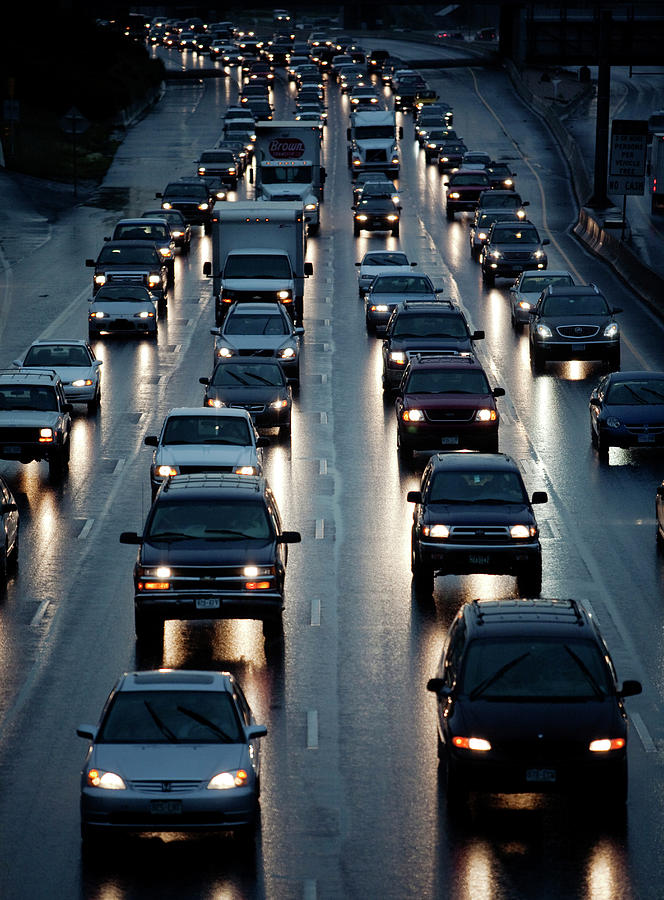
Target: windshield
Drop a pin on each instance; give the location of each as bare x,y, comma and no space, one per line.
401,284
28,397
196,191
286,174
429,326
535,284
475,178
535,668
135,232
209,520
57,355
120,293
374,132
448,381
218,156
249,375
128,256
250,266
507,201
515,235
636,392
581,305
206,430
482,486
240,323
171,717
385,259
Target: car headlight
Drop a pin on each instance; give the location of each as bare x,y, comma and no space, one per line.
543,331
216,404
45,435
109,781
166,205
538,254
245,470
97,315
227,780
166,471
310,207
612,330
178,234
486,415
508,182
82,382
203,206
398,357
357,162
522,531
361,218
287,353
283,295
436,531
495,254
523,304
144,314
444,159
603,745
612,422
379,307
482,235
392,218
100,278
412,415
220,195
154,280
431,146
279,404
455,195
225,352
521,214
201,170
395,160
471,743
165,252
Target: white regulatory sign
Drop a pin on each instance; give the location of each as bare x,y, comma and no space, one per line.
627,167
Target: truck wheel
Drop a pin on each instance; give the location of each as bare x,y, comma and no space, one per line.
395,231
149,629
58,463
449,213
529,580
207,228
93,405
536,359
314,229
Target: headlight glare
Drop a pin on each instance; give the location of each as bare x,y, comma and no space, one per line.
107,780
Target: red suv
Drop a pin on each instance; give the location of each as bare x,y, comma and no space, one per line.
445,402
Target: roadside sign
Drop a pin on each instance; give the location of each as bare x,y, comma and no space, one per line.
627,168
74,122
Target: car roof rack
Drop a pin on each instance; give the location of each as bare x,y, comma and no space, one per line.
214,480
37,371
432,355
416,304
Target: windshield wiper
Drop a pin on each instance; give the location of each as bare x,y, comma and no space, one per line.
165,730
197,717
494,500
169,536
228,532
590,678
482,686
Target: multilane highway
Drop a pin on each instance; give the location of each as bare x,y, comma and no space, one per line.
351,803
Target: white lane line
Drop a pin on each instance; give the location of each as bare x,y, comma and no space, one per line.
322,467
315,611
39,615
177,348
320,529
309,889
643,733
119,466
85,531
555,531
326,348
312,729
327,299
323,418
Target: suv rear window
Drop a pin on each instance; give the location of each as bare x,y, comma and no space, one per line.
429,326
481,486
222,519
28,397
447,381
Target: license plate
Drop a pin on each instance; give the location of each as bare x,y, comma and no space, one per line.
479,559
207,603
10,450
548,775
450,441
580,347
646,439
166,807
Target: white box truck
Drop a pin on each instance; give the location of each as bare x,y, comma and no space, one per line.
372,142
258,253
287,155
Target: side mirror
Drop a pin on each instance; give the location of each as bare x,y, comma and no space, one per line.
477,336
151,440
323,174
130,537
437,687
660,490
87,731
68,407
526,203
308,269
616,310
289,537
539,497
498,392
414,496
215,331
545,241
204,381
594,401
353,208
8,507
413,264
255,731
107,238
630,688
17,363
348,134
98,363
358,264
299,330
90,263
262,441
159,195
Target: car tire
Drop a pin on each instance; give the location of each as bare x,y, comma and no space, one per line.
516,325
456,789
474,255
207,228
405,452
285,430
488,278
93,405
149,629
449,213
536,359
602,447
186,248
440,747
4,567
92,837
356,230
613,361
395,231
529,580
312,230
58,463
12,558
371,328
273,628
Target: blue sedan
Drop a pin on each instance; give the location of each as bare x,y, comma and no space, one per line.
627,410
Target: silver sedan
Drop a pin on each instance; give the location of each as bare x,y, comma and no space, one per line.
75,363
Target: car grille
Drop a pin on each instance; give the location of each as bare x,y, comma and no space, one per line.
123,325
578,332
485,534
450,415
650,428
516,255
134,277
192,470
542,750
249,352
250,407
19,435
160,787
376,156
467,194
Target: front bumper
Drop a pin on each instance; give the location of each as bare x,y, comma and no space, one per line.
563,350
472,559
503,268
210,603
448,436
376,223
122,326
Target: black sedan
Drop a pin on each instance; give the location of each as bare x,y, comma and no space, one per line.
627,410
256,384
376,214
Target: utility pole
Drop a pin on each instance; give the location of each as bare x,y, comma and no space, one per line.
599,199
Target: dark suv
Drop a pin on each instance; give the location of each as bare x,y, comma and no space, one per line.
574,322
193,198
212,548
473,515
432,328
512,248
446,402
528,701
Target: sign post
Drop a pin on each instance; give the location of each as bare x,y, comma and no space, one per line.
627,168
74,122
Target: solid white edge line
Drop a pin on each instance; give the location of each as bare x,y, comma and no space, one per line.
309,889
315,612
322,467
323,418
39,615
643,733
85,531
320,529
119,466
312,729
